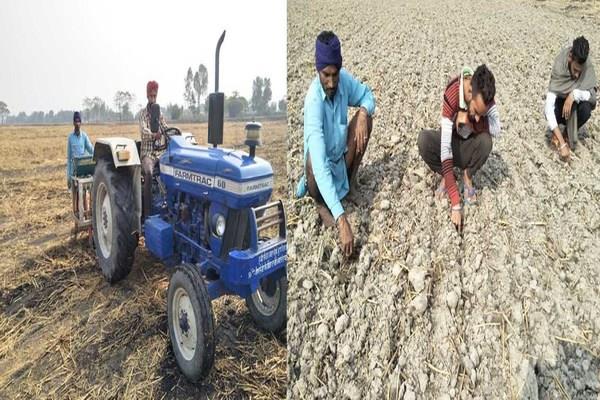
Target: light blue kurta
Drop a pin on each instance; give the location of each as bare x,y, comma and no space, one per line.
325,136
77,146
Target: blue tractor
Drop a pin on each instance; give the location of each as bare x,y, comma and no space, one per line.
211,223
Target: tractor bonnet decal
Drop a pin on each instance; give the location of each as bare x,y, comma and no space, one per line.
244,187
193,177
218,182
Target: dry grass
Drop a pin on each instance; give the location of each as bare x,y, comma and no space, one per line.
66,333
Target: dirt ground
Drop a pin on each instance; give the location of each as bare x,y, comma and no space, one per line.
510,310
66,333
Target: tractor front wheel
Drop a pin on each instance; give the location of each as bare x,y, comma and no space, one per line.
191,322
268,304
113,220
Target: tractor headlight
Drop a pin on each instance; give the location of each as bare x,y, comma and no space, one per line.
219,225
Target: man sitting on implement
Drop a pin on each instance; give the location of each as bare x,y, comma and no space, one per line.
78,145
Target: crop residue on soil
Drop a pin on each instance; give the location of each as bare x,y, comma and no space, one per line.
66,333
509,311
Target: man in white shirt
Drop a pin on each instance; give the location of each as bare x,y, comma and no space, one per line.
571,94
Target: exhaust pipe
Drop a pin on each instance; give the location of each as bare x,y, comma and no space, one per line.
217,52
216,104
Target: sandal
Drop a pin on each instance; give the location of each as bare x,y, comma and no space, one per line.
302,187
559,147
441,192
563,158
469,192
556,143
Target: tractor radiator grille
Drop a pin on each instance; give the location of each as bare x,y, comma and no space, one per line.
237,232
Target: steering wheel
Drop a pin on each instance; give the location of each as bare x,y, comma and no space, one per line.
168,133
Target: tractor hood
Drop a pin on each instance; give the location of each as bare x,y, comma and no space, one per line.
194,168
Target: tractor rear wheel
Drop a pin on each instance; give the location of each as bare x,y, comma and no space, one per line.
268,304
191,322
113,220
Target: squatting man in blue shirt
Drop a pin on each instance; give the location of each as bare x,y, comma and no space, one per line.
334,146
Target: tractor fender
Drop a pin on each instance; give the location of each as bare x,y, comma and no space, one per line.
108,148
117,148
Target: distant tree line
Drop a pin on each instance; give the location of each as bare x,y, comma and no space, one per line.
94,109
41,117
195,98
196,84
195,107
123,101
4,112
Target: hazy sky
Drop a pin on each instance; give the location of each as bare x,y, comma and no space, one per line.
55,53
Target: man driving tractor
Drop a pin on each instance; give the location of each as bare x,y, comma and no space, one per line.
150,140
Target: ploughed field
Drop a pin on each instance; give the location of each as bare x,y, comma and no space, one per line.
510,310
65,332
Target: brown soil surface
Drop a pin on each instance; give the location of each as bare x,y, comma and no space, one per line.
66,333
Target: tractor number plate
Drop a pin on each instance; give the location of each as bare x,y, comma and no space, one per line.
269,260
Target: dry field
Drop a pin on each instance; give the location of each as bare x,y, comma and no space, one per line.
66,333
510,310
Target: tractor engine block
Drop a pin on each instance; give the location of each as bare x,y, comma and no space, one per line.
190,216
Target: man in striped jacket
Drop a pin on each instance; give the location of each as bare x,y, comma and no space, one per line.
469,121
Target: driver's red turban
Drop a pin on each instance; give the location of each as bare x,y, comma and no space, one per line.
152,86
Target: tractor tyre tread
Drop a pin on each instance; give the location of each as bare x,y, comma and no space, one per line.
277,322
119,185
197,368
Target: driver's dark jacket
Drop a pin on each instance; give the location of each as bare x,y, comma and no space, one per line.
147,148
